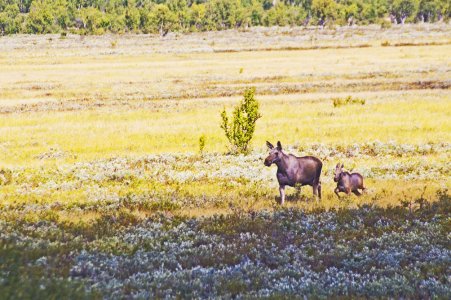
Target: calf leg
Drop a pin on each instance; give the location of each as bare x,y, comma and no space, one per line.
356,192
337,190
362,187
282,194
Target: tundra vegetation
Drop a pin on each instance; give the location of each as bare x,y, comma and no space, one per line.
104,194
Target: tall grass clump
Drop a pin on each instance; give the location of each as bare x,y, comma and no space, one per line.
202,143
348,100
385,24
240,130
5,176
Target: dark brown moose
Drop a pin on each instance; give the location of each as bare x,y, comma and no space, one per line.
293,170
347,182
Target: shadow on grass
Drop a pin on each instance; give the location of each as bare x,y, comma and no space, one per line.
367,251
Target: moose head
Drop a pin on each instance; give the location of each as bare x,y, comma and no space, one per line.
275,153
338,171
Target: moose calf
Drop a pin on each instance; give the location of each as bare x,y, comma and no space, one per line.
346,182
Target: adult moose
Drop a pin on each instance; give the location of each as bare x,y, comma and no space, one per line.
293,170
347,182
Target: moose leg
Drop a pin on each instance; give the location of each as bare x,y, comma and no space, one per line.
315,190
319,189
282,194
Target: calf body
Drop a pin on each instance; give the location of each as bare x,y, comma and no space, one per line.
294,171
347,182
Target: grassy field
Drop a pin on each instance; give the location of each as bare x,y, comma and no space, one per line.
99,132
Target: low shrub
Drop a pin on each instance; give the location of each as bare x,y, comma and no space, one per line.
240,130
348,100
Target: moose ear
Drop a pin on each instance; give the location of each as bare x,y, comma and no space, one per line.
279,146
338,166
270,146
342,166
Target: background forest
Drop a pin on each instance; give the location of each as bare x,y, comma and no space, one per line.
163,16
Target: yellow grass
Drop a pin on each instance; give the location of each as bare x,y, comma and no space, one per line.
93,102
418,117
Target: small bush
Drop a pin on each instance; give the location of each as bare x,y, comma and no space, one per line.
385,24
202,143
348,100
240,130
385,43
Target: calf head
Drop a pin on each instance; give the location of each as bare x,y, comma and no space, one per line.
338,171
275,154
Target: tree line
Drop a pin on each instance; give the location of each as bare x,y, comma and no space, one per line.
162,16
